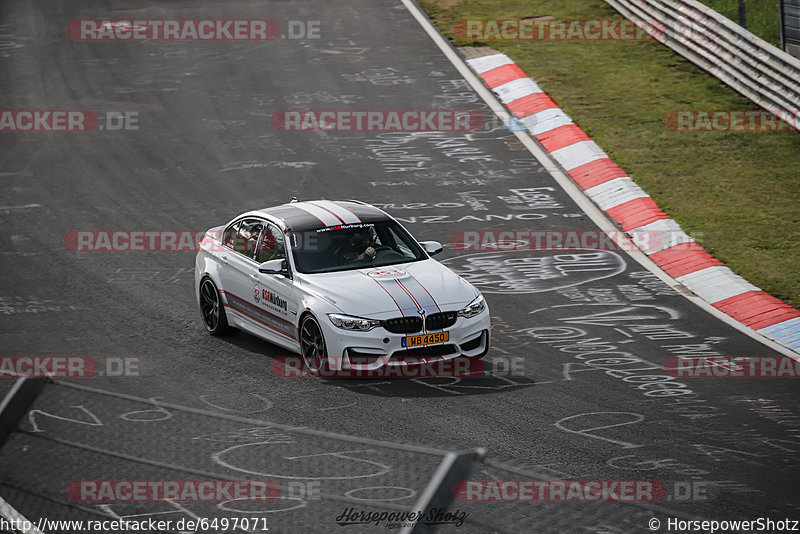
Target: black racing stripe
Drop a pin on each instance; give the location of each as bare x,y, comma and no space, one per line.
366,213
295,218
299,220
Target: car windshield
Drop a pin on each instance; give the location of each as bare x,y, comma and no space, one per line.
353,246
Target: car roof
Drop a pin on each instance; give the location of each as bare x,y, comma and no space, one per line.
313,214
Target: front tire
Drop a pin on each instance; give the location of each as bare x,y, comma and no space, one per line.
312,345
212,309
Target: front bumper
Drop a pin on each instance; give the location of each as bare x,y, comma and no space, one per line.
365,351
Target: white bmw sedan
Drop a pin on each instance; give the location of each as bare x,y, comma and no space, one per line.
341,283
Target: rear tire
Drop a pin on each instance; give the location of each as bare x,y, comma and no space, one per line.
212,310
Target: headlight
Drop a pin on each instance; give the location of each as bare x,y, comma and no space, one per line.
473,308
348,322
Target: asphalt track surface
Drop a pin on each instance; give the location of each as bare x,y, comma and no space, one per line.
204,152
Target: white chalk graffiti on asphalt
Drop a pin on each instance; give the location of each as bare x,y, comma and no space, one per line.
396,152
13,305
292,503
409,493
161,414
647,320
611,420
8,41
95,421
379,76
158,414
265,403
613,314
632,462
535,272
257,434
85,416
241,165
532,197
252,453
605,356
472,200
418,205
429,219
456,93
339,48
305,98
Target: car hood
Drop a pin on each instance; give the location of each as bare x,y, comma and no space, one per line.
393,290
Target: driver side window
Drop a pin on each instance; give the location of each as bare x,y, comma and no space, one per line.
230,234
271,245
245,238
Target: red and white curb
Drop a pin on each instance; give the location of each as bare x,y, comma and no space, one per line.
631,208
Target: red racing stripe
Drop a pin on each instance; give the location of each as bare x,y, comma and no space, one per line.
399,283
344,212
239,310
426,291
329,211
278,317
415,301
312,214
387,292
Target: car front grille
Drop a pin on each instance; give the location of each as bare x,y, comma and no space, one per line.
403,325
440,321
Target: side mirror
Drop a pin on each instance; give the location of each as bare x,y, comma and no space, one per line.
274,267
431,247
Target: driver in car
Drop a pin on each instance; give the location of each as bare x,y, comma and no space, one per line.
359,247
369,252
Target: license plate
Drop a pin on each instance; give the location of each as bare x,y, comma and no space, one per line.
425,339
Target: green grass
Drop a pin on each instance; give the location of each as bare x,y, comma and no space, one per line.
763,16
737,194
